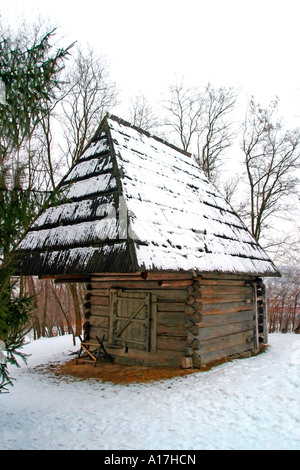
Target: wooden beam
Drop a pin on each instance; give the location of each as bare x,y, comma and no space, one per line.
220,308
174,284
224,330
210,356
99,275
116,277
225,318
163,276
124,284
222,277
171,307
244,338
97,300
241,290
71,280
62,278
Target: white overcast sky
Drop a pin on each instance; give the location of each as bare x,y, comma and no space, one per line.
248,44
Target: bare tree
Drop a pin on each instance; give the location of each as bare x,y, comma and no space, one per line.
184,109
74,290
284,301
89,95
271,158
45,138
56,309
141,113
200,118
216,132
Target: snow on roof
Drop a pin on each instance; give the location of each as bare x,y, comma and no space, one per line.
133,202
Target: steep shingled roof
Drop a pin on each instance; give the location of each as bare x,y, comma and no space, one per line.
132,202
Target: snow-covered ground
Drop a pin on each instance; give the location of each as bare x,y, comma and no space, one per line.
246,404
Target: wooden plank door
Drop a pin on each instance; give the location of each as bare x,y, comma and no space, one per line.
130,316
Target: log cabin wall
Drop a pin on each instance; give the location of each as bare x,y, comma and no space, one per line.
228,325
188,320
170,305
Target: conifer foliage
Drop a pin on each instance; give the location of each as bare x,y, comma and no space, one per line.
30,72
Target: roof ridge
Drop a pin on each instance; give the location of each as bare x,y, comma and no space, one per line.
147,133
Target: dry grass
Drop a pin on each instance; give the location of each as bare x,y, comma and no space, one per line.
118,373
129,374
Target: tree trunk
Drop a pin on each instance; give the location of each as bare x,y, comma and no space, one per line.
76,303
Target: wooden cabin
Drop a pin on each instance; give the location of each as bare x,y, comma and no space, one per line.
173,276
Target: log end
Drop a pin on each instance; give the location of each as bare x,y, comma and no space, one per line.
186,362
197,361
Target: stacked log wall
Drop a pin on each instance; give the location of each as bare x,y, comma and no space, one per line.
226,326
172,311
198,319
